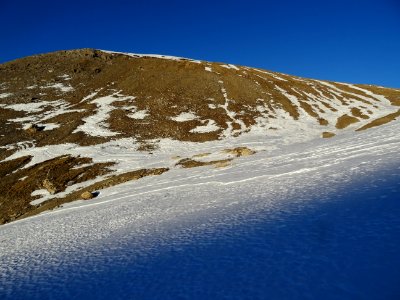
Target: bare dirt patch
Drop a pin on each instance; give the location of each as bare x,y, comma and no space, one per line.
393,95
345,121
327,135
380,121
54,175
201,155
94,189
240,151
191,163
358,113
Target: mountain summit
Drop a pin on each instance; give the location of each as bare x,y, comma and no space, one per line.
80,121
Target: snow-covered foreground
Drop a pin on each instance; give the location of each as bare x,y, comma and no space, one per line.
310,220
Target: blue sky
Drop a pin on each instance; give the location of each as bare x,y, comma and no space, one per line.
351,41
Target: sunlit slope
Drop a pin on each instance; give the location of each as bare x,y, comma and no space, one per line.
88,96
86,120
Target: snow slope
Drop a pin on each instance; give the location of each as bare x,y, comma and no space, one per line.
165,111
141,217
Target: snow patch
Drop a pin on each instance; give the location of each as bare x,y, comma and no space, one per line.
271,74
60,86
50,126
176,58
39,192
28,107
90,96
65,77
42,192
230,66
36,113
5,95
95,124
229,131
184,116
139,115
211,126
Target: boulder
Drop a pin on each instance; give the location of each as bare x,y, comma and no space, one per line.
33,128
87,195
49,186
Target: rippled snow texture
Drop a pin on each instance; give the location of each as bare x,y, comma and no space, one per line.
304,220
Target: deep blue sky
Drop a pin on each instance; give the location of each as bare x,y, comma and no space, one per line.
352,41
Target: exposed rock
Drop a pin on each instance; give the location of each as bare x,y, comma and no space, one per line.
240,151
87,195
54,175
33,128
345,121
380,121
49,186
201,155
327,134
222,164
191,163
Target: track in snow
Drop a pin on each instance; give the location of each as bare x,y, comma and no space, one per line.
141,222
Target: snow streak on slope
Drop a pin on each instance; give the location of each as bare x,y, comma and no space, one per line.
95,125
169,57
152,212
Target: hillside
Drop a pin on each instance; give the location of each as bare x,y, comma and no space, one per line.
87,120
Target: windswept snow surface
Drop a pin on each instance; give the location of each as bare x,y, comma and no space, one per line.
314,220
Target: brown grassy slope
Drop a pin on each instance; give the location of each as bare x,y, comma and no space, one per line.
18,183
163,87
95,187
392,94
345,121
380,121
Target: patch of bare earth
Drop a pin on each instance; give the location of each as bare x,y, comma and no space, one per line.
55,175
191,163
380,121
345,121
393,95
327,135
356,112
240,151
235,152
201,155
94,189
